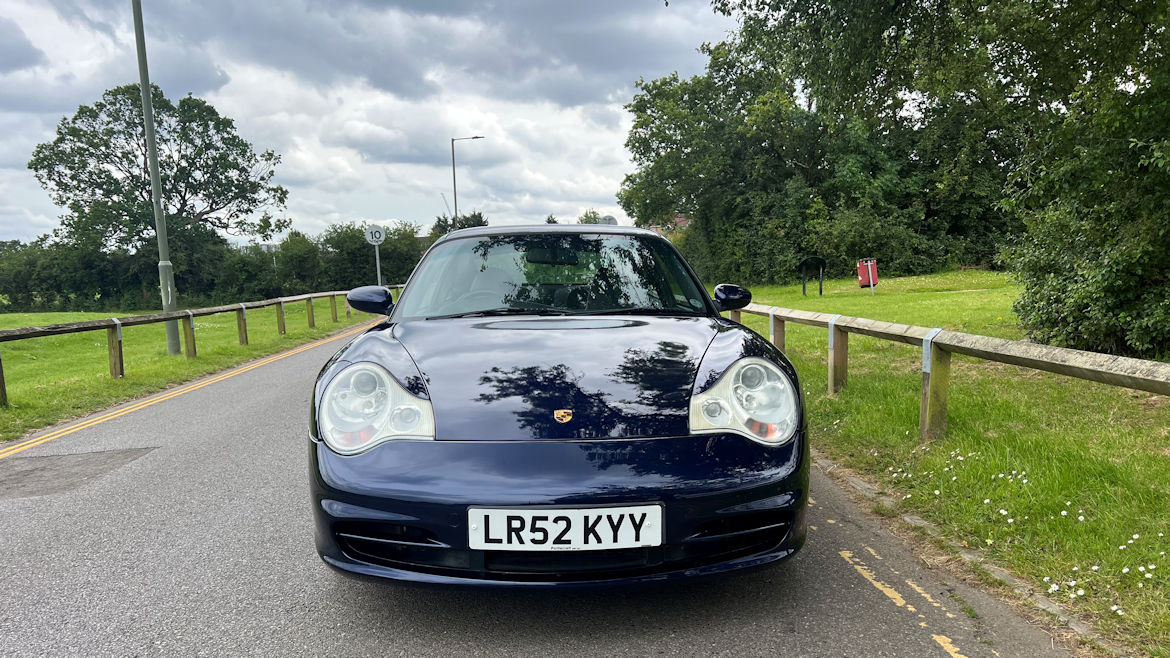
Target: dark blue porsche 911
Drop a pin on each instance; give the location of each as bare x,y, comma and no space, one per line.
556,405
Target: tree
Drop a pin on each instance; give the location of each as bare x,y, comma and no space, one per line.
298,264
95,167
550,219
590,216
1048,111
347,259
444,224
401,251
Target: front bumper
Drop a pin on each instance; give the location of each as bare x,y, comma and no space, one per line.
399,511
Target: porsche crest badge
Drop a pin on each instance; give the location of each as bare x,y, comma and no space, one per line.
563,415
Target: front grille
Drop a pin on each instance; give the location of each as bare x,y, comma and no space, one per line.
414,549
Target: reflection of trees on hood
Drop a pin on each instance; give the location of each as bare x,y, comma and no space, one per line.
652,402
544,389
662,380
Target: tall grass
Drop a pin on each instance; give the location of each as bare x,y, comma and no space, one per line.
1058,479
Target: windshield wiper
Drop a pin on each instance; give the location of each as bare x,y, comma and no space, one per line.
503,310
640,311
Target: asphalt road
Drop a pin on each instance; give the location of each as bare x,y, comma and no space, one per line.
183,528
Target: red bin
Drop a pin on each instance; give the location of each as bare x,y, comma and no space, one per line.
867,275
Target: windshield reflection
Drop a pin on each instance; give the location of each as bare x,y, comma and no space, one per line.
551,274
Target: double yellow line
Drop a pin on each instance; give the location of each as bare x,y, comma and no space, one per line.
8,451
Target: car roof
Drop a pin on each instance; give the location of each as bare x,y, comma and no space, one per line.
610,229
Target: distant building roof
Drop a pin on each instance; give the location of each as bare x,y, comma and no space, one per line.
679,221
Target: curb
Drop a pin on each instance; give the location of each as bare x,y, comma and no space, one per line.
1083,629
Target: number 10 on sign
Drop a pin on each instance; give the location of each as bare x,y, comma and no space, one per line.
375,235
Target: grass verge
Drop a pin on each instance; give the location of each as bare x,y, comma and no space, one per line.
55,378
1063,481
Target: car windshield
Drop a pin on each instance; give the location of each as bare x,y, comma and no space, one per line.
551,274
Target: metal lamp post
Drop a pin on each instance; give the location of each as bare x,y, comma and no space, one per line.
454,189
166,272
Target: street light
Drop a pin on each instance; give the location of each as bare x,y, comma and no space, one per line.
454,190
166,272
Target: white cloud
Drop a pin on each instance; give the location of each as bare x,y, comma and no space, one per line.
361,99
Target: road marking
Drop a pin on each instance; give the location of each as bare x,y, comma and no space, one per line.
900,601
923,593
38,440
890,592
872,552
951,649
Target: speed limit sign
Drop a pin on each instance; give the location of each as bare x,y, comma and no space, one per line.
375,235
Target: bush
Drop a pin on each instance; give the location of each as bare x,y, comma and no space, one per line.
1095,267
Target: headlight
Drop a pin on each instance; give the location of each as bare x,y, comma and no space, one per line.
753,398
364,406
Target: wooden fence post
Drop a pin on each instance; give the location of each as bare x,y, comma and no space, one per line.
189,334
734,316
333,307
936,376
242,324
114,343
348,310
280,317
3,388
838,356
309,312
776,331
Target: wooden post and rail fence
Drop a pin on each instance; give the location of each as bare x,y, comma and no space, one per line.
113,327
939,344
937,347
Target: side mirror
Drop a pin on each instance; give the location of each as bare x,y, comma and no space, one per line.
730,297
371,299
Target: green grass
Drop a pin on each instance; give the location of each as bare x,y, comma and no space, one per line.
1032,444
55,378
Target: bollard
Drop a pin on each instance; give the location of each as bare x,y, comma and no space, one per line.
333,307
309,312
838,356
936,376
280,317
114,343
189,334
242,324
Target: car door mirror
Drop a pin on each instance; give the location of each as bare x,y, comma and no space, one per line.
371,299
729,297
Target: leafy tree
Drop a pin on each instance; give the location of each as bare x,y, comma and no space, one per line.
1063,104
347,259
298,264
769,180
590,216
444,224
402,250
95,167
248,273
551,219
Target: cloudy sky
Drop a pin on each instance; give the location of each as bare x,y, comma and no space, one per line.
361,97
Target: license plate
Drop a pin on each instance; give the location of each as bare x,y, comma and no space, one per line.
577,529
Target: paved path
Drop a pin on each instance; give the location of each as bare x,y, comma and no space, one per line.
183,528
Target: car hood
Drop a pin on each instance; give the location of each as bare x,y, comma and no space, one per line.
507,379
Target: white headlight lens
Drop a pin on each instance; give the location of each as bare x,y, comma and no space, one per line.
364,405
753,398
